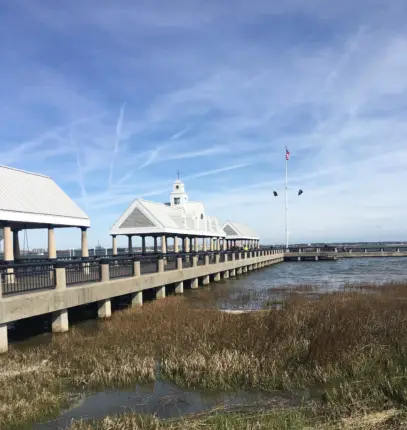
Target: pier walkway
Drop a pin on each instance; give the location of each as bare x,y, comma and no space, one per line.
331,253
29,290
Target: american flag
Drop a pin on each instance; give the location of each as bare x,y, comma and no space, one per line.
287,154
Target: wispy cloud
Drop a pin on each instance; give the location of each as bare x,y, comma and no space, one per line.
217,95
119,126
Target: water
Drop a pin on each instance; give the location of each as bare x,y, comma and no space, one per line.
251,290
244,292
165,400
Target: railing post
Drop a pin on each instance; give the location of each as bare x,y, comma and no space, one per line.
136,268
136,299
60,322
3,328
104,270
160,264
179,286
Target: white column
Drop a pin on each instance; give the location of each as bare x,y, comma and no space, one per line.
160,293
137,299
176,247
211,244
52,251
3,338
8,244
104,309
163,244
204,243
114,244
195,244
84,242
60,322
186,244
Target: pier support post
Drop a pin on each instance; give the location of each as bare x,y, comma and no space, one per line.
194,281
244,269
60,323
179,287
160,292
316,258
233,271
137,299
3,338
226,274
216,277
239,271
104,309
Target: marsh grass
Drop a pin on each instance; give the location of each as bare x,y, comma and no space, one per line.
347,350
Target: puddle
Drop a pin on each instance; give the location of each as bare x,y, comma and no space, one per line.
163,399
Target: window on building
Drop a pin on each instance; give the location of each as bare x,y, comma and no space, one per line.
202,217
177,200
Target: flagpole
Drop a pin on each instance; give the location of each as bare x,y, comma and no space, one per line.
286,201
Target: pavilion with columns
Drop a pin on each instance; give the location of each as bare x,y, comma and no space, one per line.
33,201
183,221
241,235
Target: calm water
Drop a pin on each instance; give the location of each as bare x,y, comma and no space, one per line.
249,291
244,292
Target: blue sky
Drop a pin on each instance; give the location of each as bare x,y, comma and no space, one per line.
112,98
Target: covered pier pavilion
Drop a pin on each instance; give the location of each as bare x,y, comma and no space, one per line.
33,201
240,235
182,221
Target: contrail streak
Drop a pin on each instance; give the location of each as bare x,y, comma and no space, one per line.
119,126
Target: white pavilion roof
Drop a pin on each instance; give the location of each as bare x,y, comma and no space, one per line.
32,199
235,230
147,217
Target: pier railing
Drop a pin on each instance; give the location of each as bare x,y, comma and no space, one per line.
17,278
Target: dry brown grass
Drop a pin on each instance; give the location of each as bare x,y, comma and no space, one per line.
349,349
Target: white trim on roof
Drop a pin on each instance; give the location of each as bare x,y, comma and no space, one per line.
55,220
32,198
166,220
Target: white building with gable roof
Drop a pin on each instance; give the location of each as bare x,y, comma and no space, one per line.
180,219
238,234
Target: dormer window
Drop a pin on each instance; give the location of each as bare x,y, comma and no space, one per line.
177,200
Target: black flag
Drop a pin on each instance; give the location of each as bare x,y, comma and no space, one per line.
275,193
300,192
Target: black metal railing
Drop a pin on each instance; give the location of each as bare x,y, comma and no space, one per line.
121,268
17,277
148,265
170,262
20,278
82,271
